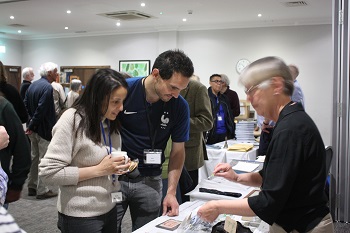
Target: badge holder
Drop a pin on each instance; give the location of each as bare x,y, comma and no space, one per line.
152,156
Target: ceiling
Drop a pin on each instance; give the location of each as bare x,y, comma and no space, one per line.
48,18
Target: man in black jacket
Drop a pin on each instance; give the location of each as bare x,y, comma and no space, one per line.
223,118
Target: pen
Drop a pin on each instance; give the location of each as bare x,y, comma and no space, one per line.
212,175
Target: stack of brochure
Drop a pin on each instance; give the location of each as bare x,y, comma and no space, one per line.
245,131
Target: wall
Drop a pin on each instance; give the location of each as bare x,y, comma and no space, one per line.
309,47
212,51
13,55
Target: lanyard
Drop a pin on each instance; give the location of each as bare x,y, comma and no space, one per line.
110,143
109,136
150,125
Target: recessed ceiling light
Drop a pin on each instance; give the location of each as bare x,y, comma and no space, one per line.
66,28
143,4
160,13
118,24
12,17
68,12
184,19
259,15
19,31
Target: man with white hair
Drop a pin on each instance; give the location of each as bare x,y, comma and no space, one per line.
28,76
41,109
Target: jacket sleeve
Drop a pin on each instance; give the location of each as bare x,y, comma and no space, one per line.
201,120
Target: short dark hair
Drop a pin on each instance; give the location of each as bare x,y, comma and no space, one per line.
173,61
92,104
214,75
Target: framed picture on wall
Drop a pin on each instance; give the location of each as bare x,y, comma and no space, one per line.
135,68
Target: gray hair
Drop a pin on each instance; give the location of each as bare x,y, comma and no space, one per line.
225,79
75,84
26,71
46,67
195,77
266,68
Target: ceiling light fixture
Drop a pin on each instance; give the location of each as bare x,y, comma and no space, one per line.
184,19
143,4
19,31
259,15
160,13
68,12
118,24
12,17
66,28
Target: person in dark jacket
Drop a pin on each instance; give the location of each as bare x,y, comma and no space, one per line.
28,76
223,127
12,95
15,158
41,109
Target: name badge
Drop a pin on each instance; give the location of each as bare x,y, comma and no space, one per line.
219,118
117,197
152,156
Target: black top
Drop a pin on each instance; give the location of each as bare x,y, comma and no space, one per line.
12,95
24,88
233,101
294,174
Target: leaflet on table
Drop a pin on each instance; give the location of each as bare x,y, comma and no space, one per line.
245,166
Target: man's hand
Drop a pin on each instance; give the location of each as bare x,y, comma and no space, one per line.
29,132
170,206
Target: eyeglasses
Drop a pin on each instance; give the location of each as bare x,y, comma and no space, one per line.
217,81
264,84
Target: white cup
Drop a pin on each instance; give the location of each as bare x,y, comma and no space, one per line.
120,153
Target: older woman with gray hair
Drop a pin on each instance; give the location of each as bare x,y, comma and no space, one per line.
292,181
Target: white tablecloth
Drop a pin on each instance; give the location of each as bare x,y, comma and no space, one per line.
187,208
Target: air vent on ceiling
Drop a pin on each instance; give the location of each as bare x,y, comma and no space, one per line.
127,15
296,3
81,32
2,32
17,25
11,1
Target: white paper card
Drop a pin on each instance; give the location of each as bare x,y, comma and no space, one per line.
245,167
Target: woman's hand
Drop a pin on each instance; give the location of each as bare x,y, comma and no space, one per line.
208,212
107,166
113,165
225,170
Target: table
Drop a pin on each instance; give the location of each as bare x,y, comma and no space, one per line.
187,208
223,185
